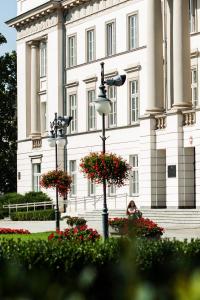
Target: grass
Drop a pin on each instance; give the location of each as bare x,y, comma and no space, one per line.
26,237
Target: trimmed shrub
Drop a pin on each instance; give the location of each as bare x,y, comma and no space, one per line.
38,215
36,197
76,221
12,198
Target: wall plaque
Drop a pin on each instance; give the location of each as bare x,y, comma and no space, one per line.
171,171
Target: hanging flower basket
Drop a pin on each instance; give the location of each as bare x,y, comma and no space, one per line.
109,166
56,178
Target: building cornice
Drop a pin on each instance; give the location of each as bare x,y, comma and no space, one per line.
67,4
34,14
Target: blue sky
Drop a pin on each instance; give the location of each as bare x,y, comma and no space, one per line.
8,10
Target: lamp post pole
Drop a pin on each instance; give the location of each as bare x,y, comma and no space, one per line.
103,137
57,212
103,107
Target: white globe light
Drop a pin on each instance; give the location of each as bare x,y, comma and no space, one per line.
103,106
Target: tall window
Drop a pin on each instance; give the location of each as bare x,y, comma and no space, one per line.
43,59
36,173
194,86
73,112
193,15
110,38
43,116
133,31
112,117
91,110
134,179
134,101
72,169
91,188
90,45
72,50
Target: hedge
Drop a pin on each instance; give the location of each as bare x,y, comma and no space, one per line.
38,215
119,269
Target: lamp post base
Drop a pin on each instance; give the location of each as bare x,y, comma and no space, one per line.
105,224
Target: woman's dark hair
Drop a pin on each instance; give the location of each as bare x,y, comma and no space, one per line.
129,205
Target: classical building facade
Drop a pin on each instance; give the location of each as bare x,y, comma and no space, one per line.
154,121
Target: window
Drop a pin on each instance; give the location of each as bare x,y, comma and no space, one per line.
194,86
36,173
193,15
90,45
134,180
91,188
111,190
110,38
73,112
133,31
72,50
43,59
134,101
91,110
112,117
43,114
72,168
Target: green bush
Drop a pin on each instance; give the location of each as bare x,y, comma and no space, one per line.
119,269
36,197
12,198
38,215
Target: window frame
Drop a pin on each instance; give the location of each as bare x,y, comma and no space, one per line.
137,95
91,104
107,52
129,16
194,85
135,170
73,174
36,176
72,62
43,59
73,128
88,59
113,113
193,17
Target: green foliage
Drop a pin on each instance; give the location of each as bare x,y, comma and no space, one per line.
76,221
119,269
38,215
31,197
8,121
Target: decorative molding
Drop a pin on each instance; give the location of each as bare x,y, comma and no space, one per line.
133,68
92,78
111,73
189,118
72,84
161,121
37,26
194,53
87,8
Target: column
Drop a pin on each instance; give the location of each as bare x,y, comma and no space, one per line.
155,92
34,91
181,54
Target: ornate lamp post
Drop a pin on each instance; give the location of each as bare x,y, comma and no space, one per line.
103,107
57,133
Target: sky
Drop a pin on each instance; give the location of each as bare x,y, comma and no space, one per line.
8,10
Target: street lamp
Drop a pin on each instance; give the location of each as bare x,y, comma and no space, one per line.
103,107
57,133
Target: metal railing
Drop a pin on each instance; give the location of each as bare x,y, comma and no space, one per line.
80,204
33,205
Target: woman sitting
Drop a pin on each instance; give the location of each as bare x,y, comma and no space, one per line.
132,210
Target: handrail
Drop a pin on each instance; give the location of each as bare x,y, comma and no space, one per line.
28,205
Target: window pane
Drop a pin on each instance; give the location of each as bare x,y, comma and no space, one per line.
91,110
134,101
112,117
90,45
72,166
72,51
43,59
110,32
134,179
73,113
36,173
133,31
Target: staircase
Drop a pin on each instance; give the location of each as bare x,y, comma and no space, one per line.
167,218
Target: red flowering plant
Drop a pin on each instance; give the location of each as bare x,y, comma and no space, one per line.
78,233
13,231
55,178
109,166
139,227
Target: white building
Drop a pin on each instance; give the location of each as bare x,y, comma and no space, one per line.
155,117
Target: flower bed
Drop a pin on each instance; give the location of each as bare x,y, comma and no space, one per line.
13,231
100,166
78,233
140,227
